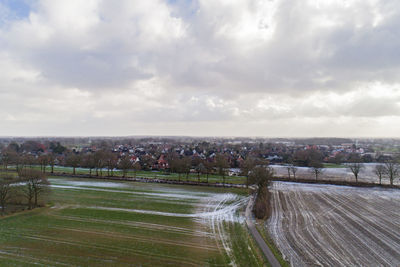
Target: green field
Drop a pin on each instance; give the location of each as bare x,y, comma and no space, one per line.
334,165
212,178
103,223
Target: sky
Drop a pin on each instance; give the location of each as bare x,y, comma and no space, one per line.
273,68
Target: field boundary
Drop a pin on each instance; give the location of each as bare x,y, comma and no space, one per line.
257,236
218,184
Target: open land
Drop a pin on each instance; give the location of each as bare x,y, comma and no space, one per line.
326,225
103,223
337,173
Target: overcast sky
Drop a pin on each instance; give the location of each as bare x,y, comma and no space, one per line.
202,67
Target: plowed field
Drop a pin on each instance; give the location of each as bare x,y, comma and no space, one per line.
325,225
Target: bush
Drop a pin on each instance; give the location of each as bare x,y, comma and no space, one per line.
262,206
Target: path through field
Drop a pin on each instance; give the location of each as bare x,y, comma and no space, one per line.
326,225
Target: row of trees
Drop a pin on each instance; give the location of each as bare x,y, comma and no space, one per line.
25,189
390,169
101,159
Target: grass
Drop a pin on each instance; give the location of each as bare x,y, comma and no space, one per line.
270,243
333,165
93,223
212,178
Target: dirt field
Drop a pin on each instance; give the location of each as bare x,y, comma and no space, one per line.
326,225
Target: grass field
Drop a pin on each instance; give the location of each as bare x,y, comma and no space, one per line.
334,165
98,223
212,178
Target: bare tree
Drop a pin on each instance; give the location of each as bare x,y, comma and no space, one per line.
261,176
5,195
248,164
111,161
88,162
125,164
136,167
200,168
6,158
73,160
392,170
99,161
316,169
35,185
379,171
186,163
289,168
209,167
52,161
355,168
174,164
294,169
28,160
222,165
43,162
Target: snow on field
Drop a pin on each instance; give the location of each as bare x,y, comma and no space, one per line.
343,174
214,211
326,225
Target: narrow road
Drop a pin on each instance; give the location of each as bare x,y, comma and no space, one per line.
256,235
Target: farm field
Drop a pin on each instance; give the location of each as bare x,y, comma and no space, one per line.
212,178
327,225
103,223
336,173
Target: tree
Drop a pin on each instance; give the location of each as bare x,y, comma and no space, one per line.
355,168
209,167
294,169
136,167
35,185
316,169
111,162
43,162
148,162
186,164
73,160
247,165
125,164
222,165
391,170
307,157
200,168
52,161
28,160
380,171
174,164
88,162
16,159
289,170
99,161
261,176
6,157
5,195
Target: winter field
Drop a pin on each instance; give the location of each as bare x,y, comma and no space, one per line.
98,223
327,225
336,174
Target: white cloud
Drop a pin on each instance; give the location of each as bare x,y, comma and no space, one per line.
203,67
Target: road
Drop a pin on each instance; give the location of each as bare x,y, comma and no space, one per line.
256,235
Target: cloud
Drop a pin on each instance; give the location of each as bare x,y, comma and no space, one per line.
146,66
